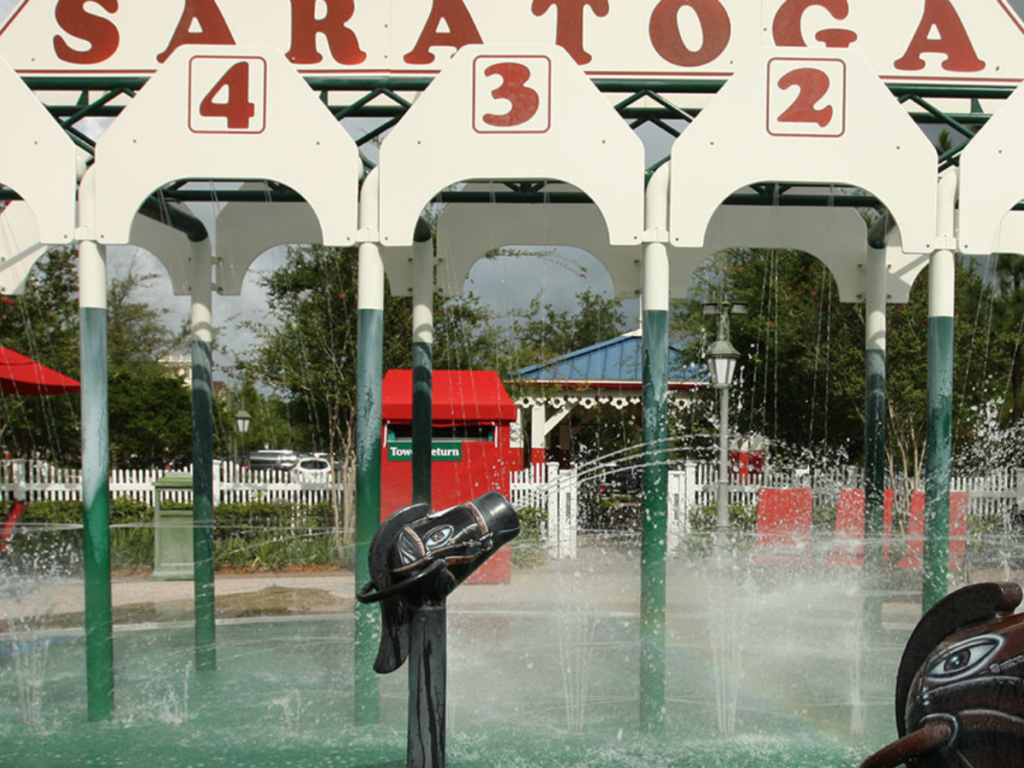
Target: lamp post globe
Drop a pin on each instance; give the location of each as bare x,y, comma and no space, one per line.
722,357
242,421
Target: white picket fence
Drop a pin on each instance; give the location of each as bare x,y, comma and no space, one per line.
997,497
36,481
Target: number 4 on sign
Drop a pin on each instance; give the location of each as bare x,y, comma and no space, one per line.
227,95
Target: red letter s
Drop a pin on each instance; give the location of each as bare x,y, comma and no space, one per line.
100,33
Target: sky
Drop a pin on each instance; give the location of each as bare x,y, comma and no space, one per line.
505,283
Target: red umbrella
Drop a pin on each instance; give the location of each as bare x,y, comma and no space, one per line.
20,375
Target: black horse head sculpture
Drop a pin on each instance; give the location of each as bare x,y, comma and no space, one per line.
960,686
418,559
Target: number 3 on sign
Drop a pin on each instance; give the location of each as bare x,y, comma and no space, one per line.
807,97
512,94
227,94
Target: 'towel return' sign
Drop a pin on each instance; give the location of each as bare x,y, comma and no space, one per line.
939,41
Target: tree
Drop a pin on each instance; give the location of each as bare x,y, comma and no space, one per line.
150,410
543,332
43,324
308,353
802,357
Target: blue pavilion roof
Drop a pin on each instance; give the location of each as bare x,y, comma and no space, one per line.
619,359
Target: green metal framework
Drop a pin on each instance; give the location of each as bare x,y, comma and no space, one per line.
386,100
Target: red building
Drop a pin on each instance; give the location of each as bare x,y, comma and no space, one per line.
472,419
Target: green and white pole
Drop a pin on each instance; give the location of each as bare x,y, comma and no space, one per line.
369,384
655,432
875,328
422,362
202,455
939,450
92,299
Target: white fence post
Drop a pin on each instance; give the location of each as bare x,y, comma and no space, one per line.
554,513
676,525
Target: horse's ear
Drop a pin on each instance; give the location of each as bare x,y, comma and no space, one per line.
976,604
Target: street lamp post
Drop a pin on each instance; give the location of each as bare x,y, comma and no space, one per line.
722,357
242,420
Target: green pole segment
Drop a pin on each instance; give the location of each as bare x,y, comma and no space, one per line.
202,504
422,421
655,512
938,460
874,487
202,456
369,382
99,632
939,417
875,330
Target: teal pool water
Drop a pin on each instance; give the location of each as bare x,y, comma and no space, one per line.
526,688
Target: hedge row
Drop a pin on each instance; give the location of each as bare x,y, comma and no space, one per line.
259,535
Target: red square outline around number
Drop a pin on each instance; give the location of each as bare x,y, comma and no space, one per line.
510,58
260,59
768,104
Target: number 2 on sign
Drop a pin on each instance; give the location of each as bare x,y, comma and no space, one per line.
227,100
807,97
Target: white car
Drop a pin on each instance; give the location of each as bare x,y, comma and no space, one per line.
311,469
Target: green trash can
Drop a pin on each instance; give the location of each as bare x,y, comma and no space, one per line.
173,532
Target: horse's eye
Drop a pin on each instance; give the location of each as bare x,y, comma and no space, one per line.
438,536
964,659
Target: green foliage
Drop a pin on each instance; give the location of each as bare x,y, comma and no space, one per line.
528,546
154,418
43,324
801,378
704,519
261,535
543,332
150,411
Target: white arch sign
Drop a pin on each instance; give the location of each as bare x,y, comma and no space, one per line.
514,113
37,160
804,116
227,113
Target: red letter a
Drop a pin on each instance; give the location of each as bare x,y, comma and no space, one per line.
213,30
461,31
952,41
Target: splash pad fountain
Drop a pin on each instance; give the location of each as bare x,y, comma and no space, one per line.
764,666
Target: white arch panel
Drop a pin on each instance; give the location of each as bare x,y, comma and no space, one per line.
454,133
837,236
466,232
992,179
247,230
227,113
804,116
170,246
20,246
37,160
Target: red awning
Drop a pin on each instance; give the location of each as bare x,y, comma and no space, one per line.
459,397
20,375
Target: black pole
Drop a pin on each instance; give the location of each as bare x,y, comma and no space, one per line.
428,682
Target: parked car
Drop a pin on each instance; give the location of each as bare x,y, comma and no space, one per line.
273,459
312,469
